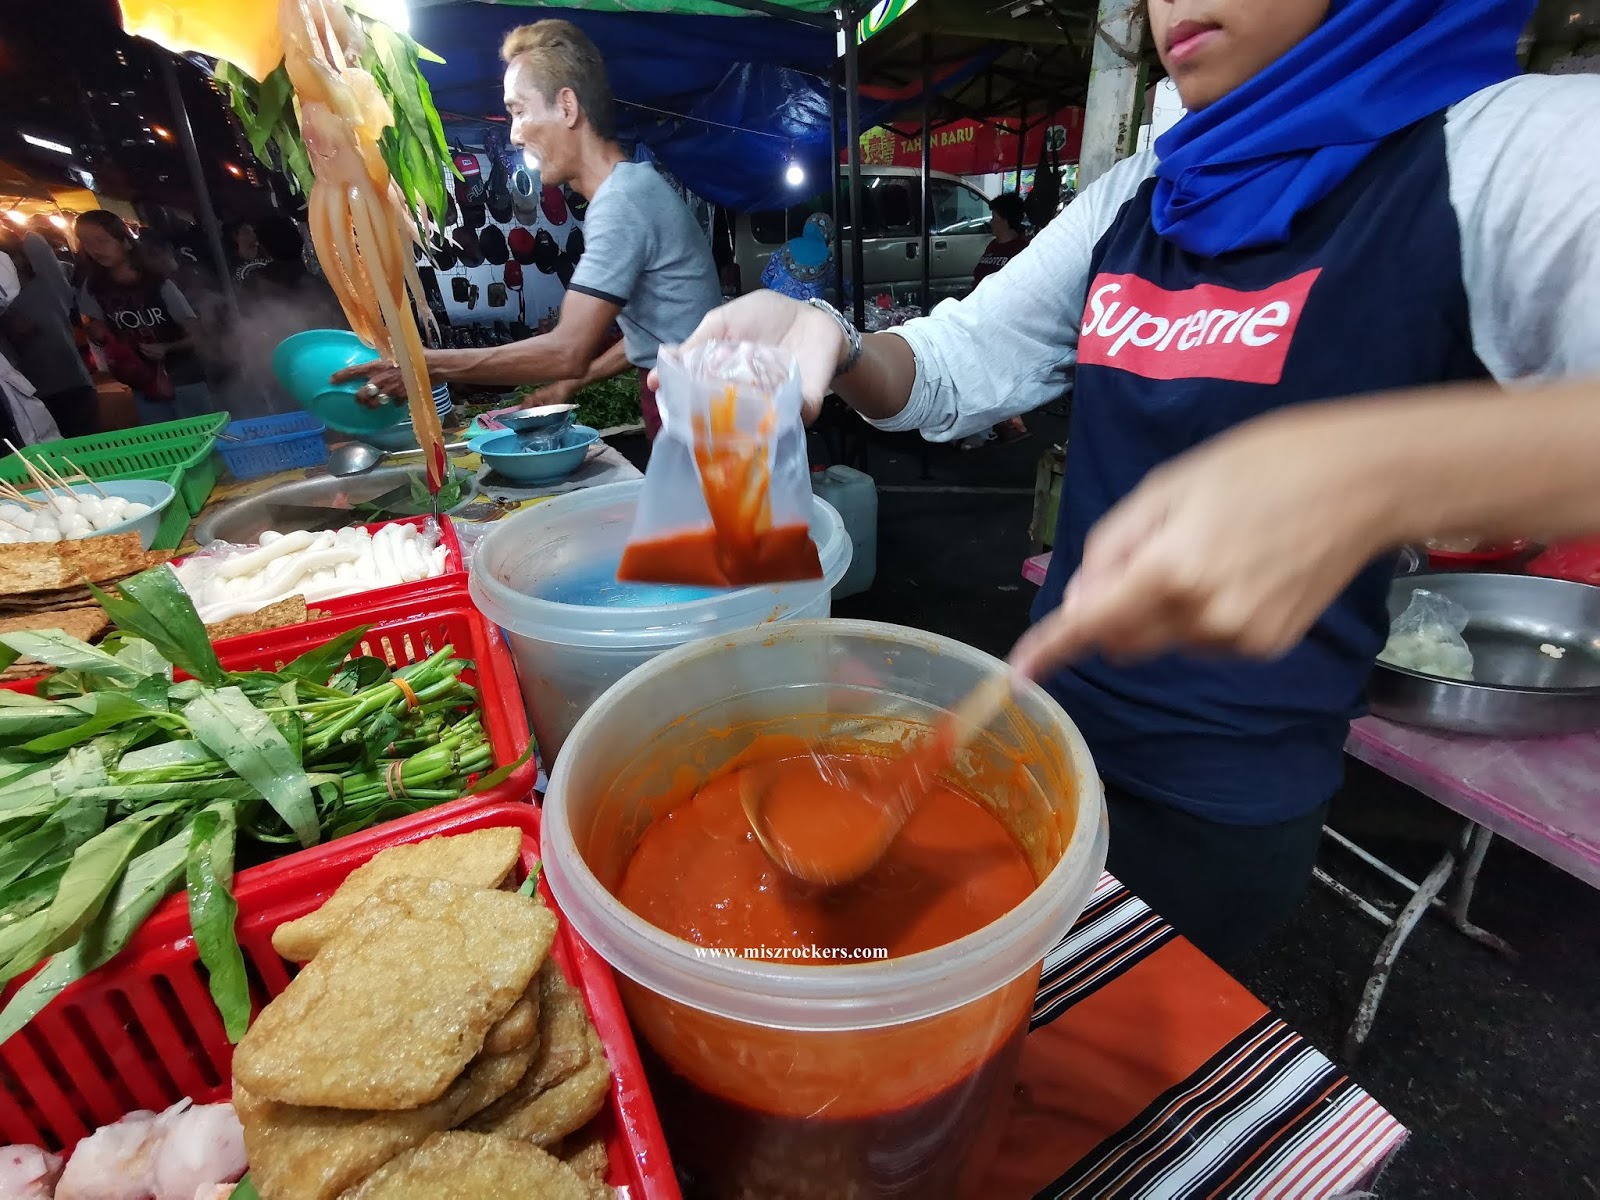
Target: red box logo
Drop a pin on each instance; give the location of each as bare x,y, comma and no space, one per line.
1205,332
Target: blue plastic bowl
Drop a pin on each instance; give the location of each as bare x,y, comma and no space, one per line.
303,364
145,491
504,455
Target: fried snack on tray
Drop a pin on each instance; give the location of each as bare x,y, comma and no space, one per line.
518,1029
585,1152
27,568
392,1010
316,1153
473,1166
569,1080
290,611
481,859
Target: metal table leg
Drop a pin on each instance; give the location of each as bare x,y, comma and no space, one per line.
1477,847
1400,928
1464,860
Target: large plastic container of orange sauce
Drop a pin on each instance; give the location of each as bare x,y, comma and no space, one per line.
793,1082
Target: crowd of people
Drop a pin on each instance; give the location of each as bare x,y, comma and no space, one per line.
147,311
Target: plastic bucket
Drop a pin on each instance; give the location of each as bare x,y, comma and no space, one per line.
547,575
877,1079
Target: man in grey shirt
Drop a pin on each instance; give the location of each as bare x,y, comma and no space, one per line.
647,265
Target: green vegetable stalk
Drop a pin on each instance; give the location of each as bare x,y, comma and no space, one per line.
119,783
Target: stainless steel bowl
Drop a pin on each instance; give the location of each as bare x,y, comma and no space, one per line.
1517,689
242,521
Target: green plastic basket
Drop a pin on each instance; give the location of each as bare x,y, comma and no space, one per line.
189,446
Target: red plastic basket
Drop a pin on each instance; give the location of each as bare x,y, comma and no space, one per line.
453,580
142,1031
408,630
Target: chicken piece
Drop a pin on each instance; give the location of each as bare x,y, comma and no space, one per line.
201,1147
28,1173
115,1162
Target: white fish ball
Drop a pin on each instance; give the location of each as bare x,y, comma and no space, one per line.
135,510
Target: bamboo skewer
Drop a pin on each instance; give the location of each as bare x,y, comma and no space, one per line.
33,471
81,475
11,493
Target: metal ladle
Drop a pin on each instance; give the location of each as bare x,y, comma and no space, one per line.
895,794
357,458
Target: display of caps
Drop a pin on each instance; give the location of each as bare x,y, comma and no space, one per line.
576,203
467,247
497,195
575,246
443,252
554,204
522,246
493,244
546,254
525,188
513,272
564,269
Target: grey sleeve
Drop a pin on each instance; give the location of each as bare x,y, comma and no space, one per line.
1525,186
616,235
89,306
1009,347
177,304
47,267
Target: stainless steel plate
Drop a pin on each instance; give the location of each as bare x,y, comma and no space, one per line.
243,521
1517,690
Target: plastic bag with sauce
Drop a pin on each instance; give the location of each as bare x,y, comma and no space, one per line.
727,495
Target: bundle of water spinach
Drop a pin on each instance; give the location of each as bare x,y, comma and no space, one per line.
118,784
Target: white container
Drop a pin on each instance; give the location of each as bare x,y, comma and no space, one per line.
896,1064
548,576
855,494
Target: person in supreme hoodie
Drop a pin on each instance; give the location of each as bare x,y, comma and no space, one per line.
1365,196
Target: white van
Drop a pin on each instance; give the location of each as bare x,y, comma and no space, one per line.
892,252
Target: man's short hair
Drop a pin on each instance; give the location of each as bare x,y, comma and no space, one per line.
560,55
1009,208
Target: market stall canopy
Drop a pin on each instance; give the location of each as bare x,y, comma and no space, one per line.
1038,58
724,103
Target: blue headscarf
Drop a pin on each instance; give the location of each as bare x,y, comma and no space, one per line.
1235,174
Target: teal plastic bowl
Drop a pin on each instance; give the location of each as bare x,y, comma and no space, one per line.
304,362
506,457
143,491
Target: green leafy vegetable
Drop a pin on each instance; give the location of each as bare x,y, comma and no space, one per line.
240,734
62,650
212,911
316,664
154,605
144,885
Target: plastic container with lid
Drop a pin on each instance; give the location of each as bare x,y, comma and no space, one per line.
855,495
548,576
876,1079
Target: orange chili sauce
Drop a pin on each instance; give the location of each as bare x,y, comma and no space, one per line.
742,547
902,1111
700,874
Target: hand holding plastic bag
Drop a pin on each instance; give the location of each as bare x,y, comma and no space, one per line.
727,495
1427,637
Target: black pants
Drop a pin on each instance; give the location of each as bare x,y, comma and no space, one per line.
76,410
1224,887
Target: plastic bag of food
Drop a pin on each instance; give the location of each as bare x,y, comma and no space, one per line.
1427,637
727,495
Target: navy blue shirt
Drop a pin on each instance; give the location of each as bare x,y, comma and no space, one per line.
1466,247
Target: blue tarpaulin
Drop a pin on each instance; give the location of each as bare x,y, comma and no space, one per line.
726,104
761,76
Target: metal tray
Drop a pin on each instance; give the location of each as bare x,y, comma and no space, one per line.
243,521
1517,690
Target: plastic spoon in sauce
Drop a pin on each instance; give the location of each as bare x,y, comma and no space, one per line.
832,825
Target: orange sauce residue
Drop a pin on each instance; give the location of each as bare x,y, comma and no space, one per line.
742,547
700,874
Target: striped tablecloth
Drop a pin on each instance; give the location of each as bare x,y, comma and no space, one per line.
1149,1072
